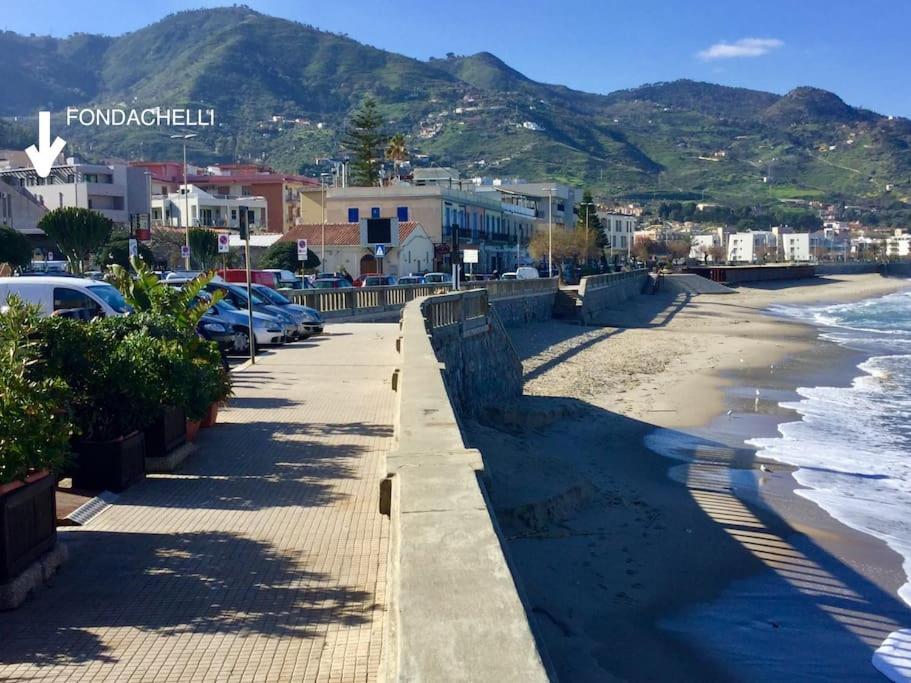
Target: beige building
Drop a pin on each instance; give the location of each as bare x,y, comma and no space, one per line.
500,231
339,247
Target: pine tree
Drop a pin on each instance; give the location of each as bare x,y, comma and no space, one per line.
364,139
588,218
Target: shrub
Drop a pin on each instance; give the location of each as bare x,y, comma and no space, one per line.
34,430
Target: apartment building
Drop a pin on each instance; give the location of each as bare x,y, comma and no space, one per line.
899,245
115,190
620,230
751,246
194,207
280,191
795,246
19,209
499,230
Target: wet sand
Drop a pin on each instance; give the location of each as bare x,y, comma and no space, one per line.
641,567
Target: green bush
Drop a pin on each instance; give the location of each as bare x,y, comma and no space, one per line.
35,428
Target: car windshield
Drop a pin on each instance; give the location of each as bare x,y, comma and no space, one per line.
241,292
274,297
324,284
111,297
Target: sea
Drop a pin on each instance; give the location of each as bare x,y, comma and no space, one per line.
852,445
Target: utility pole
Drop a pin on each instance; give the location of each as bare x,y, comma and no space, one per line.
550,232
186,197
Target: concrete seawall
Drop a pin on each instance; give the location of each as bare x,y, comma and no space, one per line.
455,609
605,291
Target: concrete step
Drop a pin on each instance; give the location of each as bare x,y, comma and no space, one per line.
567,305
688,283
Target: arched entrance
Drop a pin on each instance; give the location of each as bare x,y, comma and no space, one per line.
368,264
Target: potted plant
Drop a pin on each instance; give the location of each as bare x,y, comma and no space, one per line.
116,389
204,372
223,390
34,441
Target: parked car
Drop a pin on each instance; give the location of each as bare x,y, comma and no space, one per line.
376,281
411,280
438,278
182,275
509,276
237,295
212,329
285,279
527,273
309,320
68,296
331,283
239,275
266,328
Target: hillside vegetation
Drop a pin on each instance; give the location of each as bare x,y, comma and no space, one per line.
679,140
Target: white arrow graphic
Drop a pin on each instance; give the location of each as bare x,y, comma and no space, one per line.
42,157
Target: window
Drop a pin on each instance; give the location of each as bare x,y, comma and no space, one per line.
66,299
402,213
374,212
354,216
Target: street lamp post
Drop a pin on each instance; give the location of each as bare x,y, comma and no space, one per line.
550,232
186,196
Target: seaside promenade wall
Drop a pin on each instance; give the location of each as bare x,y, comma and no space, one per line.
599,292
520,301
455,609
847,268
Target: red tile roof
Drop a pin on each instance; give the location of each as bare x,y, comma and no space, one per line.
338,234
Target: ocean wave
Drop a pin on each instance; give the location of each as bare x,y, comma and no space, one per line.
853,444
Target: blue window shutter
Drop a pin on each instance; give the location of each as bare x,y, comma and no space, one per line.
354,216
402,213
375,212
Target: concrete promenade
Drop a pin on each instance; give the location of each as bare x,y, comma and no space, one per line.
263,558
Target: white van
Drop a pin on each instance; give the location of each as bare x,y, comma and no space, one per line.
72,297
526,273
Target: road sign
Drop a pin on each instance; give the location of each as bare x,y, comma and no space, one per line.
380,251
134,248
224,243
184,251
301,250
470,256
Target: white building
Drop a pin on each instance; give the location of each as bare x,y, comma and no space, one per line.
115,190
19,209
795,246
701,246
750,246
619,229
207,210
899,245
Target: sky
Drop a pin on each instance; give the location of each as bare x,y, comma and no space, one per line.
858,50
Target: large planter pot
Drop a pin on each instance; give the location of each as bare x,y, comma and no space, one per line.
109,465
211,417
168,432
192,430
27,523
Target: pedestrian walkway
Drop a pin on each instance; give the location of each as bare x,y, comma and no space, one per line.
263,558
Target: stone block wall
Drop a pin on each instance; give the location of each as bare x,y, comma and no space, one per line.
597,299
519,310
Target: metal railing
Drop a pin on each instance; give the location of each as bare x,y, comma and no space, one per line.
590,282
335,303
502,289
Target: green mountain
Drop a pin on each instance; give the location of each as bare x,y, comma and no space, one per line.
675,140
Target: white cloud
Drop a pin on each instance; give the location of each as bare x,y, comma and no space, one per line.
745,47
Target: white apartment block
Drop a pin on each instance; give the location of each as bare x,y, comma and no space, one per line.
620,230
899,245
114,190
795,246
193,207
751,246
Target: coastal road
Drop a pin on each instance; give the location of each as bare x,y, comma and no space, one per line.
263,558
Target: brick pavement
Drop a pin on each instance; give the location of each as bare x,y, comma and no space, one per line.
262,559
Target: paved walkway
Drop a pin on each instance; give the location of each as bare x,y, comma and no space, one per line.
262,559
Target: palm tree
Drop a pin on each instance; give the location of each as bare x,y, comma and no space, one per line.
396,151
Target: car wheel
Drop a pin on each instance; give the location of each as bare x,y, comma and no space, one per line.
242,342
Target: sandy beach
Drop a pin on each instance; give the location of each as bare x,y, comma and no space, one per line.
641,567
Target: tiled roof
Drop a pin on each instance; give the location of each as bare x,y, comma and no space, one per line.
338,234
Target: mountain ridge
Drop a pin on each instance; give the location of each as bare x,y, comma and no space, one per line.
474,112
